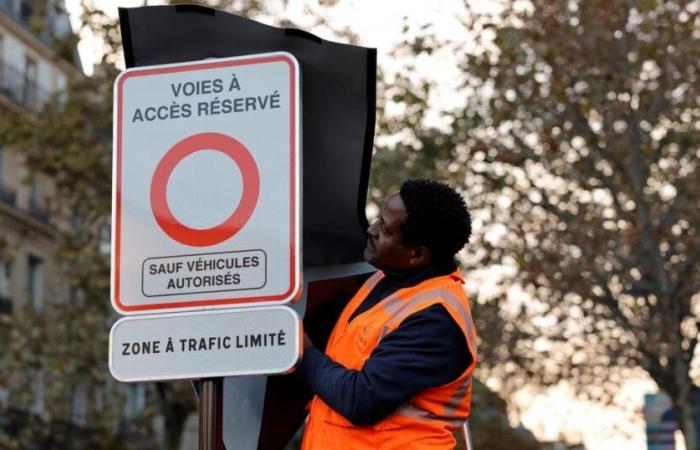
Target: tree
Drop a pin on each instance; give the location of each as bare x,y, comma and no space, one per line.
70,143
65,343
578,147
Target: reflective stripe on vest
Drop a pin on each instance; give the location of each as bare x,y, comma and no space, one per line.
400,309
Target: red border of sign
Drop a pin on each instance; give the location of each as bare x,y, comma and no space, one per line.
191,304
238,218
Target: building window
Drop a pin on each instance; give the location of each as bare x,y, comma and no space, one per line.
36,202
25,11
78,296
39,388
34,282
11,7
34,193
7,195
99,398
29,95
135,400
2,62
5,301
4,288
79,405
2,165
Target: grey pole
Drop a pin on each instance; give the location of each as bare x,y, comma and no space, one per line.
466,433
211,414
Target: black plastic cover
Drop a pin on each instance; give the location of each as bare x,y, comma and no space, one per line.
338,85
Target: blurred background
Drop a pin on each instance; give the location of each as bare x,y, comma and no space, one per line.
571,127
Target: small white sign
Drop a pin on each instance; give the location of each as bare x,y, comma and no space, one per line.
205,273
248,341
206,185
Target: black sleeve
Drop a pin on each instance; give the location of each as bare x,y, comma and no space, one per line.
427,350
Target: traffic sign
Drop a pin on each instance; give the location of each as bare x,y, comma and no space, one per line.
206,185
192,345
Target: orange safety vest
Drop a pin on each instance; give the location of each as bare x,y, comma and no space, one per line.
428,420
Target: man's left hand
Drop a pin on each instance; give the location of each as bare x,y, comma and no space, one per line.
307,341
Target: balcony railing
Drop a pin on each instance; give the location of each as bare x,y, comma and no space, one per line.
15,84
56,18
8,196
39,213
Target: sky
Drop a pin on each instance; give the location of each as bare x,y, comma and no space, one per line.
550,415
377,24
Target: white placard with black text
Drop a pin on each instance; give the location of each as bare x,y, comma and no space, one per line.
205,344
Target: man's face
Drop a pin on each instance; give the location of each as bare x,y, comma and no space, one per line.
384,249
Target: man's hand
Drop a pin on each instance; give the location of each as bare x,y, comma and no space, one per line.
307,341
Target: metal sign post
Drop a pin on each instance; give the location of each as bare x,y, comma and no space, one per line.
467,435
211,414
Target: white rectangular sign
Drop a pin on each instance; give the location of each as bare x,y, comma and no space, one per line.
206,185
247,341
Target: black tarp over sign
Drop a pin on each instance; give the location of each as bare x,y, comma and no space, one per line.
338,88
338,85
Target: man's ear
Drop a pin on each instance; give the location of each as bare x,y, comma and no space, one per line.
420,256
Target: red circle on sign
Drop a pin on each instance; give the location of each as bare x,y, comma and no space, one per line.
233,224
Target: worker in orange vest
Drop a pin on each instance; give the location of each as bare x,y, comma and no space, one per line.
397,370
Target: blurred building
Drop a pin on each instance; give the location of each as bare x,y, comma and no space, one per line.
31,72
38,58
34,68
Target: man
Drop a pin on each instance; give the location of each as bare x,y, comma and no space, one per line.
397,369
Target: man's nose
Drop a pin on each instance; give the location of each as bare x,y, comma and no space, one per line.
372,229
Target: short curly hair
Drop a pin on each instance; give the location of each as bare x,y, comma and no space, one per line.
437,218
